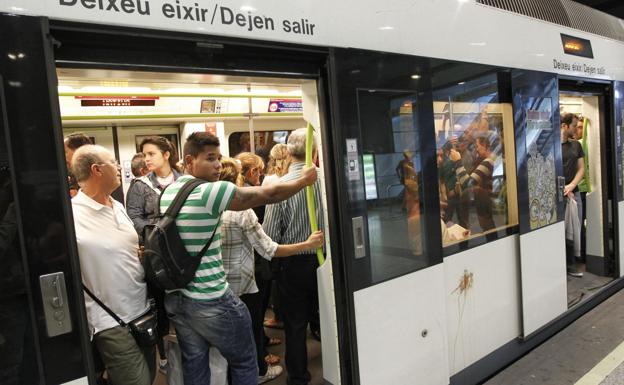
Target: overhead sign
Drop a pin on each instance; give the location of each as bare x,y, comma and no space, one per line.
116,101
285,105
577,46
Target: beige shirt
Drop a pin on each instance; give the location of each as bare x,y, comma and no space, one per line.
107,247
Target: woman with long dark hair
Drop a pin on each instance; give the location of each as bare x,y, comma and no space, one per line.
142,198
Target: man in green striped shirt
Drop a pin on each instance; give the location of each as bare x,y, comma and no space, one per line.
206,313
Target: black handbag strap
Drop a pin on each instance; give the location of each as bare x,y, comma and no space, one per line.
103,306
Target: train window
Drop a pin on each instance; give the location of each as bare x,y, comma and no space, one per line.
476,159
239,141
389,128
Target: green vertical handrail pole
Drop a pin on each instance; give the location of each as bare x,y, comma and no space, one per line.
310,192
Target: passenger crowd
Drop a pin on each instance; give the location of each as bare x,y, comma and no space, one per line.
466,173
225,303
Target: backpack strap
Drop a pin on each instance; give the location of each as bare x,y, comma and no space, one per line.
180,198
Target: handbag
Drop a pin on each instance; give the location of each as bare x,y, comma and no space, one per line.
143,329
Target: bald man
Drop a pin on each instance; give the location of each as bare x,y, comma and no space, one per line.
108,251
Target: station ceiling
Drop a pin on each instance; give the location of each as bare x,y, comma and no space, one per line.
612,7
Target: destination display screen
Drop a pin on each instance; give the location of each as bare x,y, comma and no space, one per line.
576,46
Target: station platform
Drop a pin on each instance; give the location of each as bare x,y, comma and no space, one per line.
590,351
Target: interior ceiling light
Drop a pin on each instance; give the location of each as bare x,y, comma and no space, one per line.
478,44
415,76
386,28
114,83
114,90
461,83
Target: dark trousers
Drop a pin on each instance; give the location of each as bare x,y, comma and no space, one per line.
254,305
483,204
583,228
298,293
158,296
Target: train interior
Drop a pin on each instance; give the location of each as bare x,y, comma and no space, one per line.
597,261
117,109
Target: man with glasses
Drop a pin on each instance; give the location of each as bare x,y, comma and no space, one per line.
108,251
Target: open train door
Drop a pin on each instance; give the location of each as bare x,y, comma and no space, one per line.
383,126
540,198
43,338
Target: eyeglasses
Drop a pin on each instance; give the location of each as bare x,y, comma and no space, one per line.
112,162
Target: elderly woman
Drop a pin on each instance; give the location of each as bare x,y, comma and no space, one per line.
241,234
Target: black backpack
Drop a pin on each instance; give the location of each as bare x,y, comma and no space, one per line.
166,262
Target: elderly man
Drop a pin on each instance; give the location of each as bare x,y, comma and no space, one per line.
287,222
108,251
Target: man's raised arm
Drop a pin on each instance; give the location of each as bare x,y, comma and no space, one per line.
249,197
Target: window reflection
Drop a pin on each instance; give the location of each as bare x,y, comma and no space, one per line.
263,141
475,158
391,144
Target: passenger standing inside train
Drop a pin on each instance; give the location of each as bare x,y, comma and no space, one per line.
252,170
206,313
585,184
108,250
142,205
242,235
573,171
480,180
71,143
287,222
138,166
448,177
279,161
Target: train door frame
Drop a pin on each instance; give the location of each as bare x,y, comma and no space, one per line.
604,91
109,48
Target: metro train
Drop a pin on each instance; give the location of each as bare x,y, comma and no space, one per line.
428,280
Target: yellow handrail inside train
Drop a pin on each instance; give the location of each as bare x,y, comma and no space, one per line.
310,192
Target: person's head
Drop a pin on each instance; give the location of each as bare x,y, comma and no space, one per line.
408,154
578,135
71,143
202,156
482,145
231,171
138,166
568,126
252,167
279,160
160,154
96,167
297,144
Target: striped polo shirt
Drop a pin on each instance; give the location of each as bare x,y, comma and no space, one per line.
196,222
287,222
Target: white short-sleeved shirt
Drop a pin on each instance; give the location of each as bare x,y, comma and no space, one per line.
107,247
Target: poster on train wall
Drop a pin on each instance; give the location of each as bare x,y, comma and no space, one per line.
285,105
542,178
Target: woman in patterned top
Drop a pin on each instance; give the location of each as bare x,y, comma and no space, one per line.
241,234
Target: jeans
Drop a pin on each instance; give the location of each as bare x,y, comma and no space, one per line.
223,323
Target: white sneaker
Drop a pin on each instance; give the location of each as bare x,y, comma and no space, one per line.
273,371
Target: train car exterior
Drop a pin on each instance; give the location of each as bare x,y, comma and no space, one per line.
402,300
